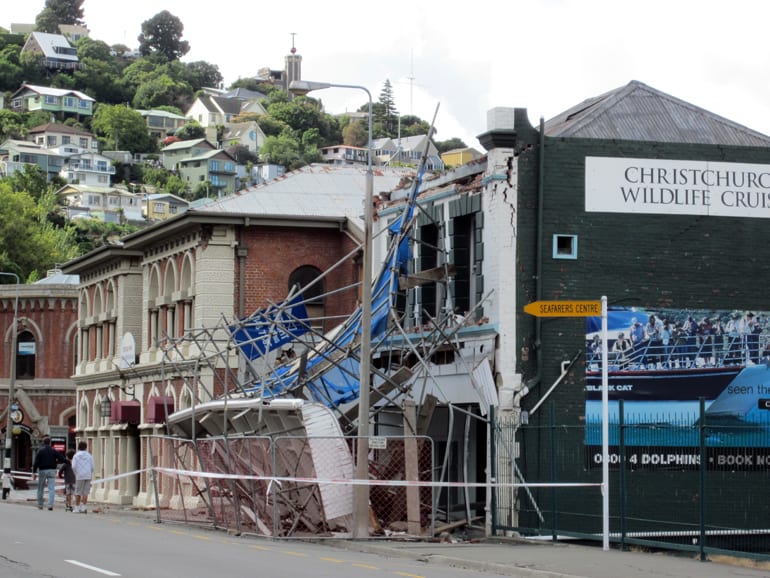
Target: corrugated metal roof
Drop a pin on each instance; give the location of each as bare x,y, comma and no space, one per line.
316,190
639,112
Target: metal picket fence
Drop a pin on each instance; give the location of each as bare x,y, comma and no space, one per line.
691,483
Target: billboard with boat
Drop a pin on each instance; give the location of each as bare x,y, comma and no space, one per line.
675,371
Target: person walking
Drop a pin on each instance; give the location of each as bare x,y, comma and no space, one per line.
7,484
46,462
67,473
83,466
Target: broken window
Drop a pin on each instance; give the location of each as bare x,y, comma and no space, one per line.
301,279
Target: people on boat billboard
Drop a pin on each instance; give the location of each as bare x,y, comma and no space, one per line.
667,340
676,370
662,362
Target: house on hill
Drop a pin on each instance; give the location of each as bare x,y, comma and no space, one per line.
247,134
57,101
214,168
345,155
172,154
198,161
162,123
54,135
457,157
407,151
212,111
162,206
108,204
15,154
55,51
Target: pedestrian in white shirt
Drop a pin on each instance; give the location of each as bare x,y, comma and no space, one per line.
83,466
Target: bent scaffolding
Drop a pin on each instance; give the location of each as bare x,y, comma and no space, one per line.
272,396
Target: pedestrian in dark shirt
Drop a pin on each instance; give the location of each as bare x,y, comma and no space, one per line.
47,460
68,475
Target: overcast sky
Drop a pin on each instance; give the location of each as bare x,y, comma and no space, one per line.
466,58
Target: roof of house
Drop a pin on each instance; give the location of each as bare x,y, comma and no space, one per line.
245,94
221,104
59,128
49,43
20,145
409,142
638,112
317,190
207,155
187,144
168,197
47,90
56,277
72,189
162,113
237,129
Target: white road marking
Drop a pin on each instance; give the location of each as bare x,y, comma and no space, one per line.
94,568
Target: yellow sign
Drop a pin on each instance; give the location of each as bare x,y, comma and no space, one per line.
564,308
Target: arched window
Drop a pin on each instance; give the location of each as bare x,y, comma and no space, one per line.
25,356
314,295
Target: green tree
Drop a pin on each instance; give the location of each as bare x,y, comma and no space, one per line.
100,75
33,68
356,133
31,179
385,112
449,145
269,125
302,114
413,125
57,12
202,74
242,154
191,131
162,90
11,125
176,186
255,85
163,34
40,117
89,234
30,244
282,150
122,128
11,71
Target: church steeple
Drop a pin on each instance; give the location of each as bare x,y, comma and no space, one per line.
293,70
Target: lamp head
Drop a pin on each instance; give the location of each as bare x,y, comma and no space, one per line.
302,87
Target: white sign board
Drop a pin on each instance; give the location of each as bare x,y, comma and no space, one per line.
673,187
127,351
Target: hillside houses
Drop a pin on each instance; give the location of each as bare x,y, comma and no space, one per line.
54,50
60,102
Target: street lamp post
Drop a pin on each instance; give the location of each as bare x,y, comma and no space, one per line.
12,379
361,489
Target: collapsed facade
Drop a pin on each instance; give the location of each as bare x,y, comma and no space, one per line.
594,202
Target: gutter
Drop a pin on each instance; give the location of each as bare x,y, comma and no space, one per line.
539,258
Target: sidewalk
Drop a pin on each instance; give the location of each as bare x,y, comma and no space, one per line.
526,558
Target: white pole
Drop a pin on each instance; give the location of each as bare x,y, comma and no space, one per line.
605,434
361,490
7,465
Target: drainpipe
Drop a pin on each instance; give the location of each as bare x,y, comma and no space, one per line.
241,252
539,256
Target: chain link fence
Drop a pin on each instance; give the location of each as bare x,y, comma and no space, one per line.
293,487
